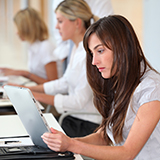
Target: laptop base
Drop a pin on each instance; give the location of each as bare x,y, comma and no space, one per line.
33,152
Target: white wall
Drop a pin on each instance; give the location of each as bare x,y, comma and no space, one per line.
151,32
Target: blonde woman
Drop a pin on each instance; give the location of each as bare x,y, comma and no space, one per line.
41,61
72,92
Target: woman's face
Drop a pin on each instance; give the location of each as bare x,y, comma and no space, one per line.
102,56
65,26
17,32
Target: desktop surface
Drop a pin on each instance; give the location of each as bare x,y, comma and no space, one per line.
11,126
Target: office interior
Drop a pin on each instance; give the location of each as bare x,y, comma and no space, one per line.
13,52
141,13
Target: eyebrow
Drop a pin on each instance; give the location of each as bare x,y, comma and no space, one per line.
97,46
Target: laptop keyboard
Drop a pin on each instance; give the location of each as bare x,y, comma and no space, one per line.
23,150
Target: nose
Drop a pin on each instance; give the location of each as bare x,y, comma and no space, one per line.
95,60
57,26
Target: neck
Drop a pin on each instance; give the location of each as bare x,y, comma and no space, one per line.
78,38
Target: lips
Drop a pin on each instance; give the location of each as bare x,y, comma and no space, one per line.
101,69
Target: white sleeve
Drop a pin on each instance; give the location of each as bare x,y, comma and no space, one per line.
79,90
101,8
73,102
56,86
79,95
47,52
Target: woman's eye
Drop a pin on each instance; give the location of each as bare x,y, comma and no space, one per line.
59,21
100,50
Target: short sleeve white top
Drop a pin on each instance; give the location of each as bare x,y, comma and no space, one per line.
148,90
72,91
40,53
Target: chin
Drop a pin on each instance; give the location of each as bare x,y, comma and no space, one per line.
105,76
64,39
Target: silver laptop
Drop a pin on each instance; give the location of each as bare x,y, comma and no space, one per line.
29,112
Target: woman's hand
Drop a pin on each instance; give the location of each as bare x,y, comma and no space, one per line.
7,71
57,141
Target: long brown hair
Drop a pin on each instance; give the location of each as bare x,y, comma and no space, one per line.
112,96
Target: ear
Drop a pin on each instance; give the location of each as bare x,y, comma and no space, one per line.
78,23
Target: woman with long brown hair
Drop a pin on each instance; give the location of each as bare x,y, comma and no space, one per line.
126,93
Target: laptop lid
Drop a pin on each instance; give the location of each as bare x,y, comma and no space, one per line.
29,112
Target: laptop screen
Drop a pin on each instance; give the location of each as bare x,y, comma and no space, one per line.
29,112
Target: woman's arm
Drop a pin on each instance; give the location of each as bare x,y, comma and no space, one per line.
51,72
44,98
95,138
9,71
54,139
38,93
146,120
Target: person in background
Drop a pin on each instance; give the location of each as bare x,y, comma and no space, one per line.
63,49
126,93
72,92
41,61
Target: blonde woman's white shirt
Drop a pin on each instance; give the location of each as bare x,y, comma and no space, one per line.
72,91
40,53
148,90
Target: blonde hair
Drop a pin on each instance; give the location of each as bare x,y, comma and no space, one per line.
30,25
73,9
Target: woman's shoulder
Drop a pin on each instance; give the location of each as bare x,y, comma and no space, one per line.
149,79
149,88
47,43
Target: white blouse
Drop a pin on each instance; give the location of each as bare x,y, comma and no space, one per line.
40,53
72,91
148,90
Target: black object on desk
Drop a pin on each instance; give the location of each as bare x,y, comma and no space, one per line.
1,94
33,152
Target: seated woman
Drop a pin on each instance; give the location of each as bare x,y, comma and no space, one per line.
72,91
41,61
126,93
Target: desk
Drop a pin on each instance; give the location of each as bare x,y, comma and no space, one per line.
5,104
11,126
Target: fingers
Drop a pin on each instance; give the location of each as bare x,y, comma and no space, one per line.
55,140
53,137
52,141
53,130
4,70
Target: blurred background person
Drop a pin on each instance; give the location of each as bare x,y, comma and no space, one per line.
63,49
41,61
72,92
